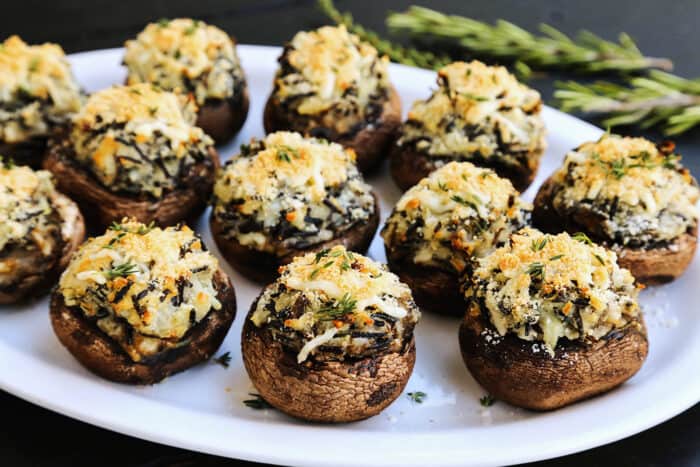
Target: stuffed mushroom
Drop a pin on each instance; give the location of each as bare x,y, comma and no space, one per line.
331,340
332,85
140,303
478,113
39,230
632,196
197,59
551,319
134,151
287,195
458,212
38,95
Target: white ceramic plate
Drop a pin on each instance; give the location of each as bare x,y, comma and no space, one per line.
201,409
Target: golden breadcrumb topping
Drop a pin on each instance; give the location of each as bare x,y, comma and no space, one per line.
37,89
457,212
144,286
337,299
308,188
547,287
138,139
640,191
477,112
185,55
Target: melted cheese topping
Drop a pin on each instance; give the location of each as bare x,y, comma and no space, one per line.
546,287
138,139
457,212
330,68
37,90
300,190
185,55
145,287
477,112
337,300
641,191
25,210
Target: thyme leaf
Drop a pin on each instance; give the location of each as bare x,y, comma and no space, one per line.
487,400
223,359
257,402
417,397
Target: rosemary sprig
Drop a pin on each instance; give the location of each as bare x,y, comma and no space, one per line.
504,40
487,400
395,52
658,99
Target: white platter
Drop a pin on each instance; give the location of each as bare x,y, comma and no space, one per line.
201,409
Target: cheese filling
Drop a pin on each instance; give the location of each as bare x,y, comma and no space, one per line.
289,192
477,113
336,304
329,72
549,287
639,193
138,139
186,55
37,90
457,212
145,287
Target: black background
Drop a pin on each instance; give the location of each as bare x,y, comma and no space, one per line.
30,435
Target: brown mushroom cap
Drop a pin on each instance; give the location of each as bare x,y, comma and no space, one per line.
262,266
409,166
71,236
510,370
655,265
223,118
106,207
371,143
97,352
330,392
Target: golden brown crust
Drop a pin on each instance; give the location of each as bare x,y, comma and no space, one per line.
433,289
104,207
100,354
511,371
409,166
329,392
371,143
649,266
223,118
262,266
35,284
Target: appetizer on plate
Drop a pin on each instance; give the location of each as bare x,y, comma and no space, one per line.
39,230
134,151
457,212
140,303
287,195
38,94
630,195
478,113
191,57
331,340
332,85
551,319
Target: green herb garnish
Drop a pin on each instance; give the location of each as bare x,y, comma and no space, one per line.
257,402
556,257
144,229
418,396
487,400
163,22
536,270
582,237
539,244
122,270
223,359
600,260
192,28
337,309
473,202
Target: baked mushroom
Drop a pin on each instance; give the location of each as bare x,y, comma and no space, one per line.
551,319
38,94
630,195
39,230
459,211
134,151
200,60
287,195
140,303
334,86
478,113
331,340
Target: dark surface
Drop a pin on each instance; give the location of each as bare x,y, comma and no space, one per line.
34,436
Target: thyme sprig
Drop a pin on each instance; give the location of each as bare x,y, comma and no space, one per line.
337,308
395,52
586,52
121,270
223,359
417,396
487,400
658,99
257,402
